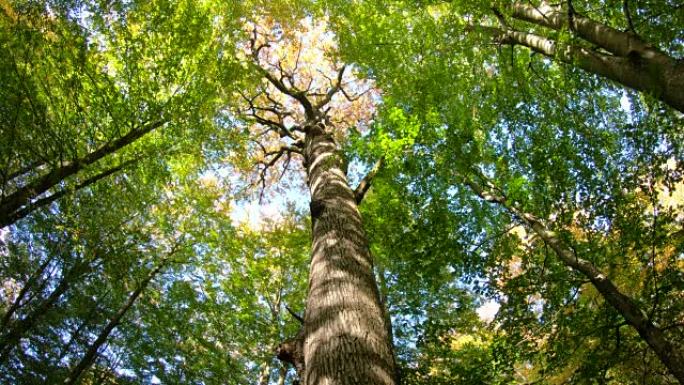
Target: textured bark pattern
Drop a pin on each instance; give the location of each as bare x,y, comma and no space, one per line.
291,351
346,333
627,60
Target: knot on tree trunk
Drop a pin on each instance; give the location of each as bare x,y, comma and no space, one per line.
292,351
317,206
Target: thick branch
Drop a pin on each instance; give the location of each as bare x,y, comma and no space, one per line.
663,81
367,180
612,40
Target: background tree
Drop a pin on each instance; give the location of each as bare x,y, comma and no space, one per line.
531,137
492,163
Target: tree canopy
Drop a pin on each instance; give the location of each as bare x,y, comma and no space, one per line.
335,192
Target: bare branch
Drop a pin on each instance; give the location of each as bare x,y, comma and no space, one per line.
281,114
299,96
365,183
500,18
276,155
295,315
355,97
333,90
628,16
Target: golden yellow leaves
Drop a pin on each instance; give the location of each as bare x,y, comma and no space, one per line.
304,58
8,10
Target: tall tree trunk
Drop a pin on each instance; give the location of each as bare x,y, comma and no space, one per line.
345,334
91,354
346,339
625,59
668,354
17,303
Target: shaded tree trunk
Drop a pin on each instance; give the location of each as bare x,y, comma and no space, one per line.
346,339
18,204
669,355
623,58
91,354
28,286
17,329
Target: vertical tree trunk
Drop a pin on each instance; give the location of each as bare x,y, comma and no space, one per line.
346,339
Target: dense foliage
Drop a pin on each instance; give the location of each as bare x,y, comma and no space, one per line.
152,234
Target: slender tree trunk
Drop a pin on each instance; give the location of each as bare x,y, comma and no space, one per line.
21,213
668,354
17,329
13,203
282,375
17,303
346,339
91,354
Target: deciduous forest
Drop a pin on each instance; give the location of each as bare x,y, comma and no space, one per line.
341,192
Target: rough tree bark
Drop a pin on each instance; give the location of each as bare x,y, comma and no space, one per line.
346,339
634,315
622,56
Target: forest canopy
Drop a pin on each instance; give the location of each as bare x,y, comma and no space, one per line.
341,192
